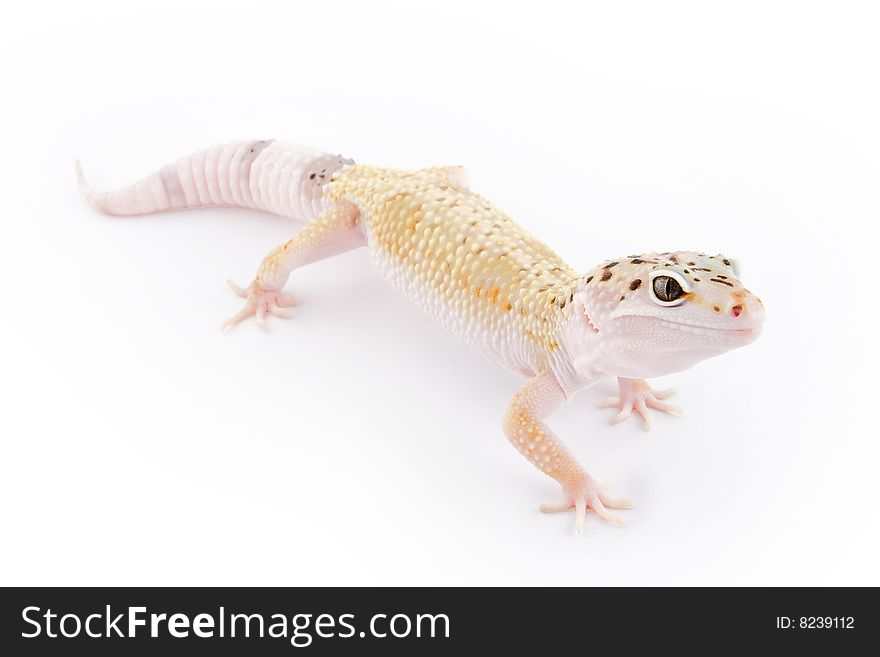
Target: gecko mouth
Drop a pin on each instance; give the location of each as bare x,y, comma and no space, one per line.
703,329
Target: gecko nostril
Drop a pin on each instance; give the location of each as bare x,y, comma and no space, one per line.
736,311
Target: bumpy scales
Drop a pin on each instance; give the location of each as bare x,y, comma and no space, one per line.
482,277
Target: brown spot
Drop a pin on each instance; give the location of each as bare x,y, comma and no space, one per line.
722,276
311,177
697,280
606,275
635,284
718,280
508,306
589,278
674,259
610,265
726,262
691,264
636,261
622,297
716,309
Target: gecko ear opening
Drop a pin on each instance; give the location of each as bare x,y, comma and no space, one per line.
582,314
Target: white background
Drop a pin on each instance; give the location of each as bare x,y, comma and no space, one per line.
357,443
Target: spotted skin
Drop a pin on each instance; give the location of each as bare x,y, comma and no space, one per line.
487,280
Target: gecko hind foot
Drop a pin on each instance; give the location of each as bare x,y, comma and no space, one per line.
260,303
599,502
638,396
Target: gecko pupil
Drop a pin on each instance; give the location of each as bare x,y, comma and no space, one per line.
667,288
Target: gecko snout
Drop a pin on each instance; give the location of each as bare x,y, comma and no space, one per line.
746,307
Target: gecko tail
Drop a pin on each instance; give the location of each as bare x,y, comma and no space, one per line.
266,175
94,199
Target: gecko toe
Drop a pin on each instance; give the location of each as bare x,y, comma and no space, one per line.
672,409
555,507
614,502
235,288
580,507
279,311
642,409
284,301
624,413
600,510
665,394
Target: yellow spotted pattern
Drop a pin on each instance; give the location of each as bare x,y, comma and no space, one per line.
475,270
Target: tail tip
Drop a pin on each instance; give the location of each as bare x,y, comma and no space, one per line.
91,198
81,177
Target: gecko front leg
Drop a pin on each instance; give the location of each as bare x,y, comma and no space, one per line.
636,395
525,428
329,234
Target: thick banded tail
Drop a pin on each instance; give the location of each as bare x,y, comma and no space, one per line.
273,176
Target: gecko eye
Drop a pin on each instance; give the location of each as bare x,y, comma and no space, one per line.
668,288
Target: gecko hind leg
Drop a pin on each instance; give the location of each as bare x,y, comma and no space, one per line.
335,231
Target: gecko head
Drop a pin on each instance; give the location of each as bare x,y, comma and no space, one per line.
664,312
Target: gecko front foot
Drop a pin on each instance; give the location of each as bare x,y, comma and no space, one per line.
636,395
259,303
589,497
